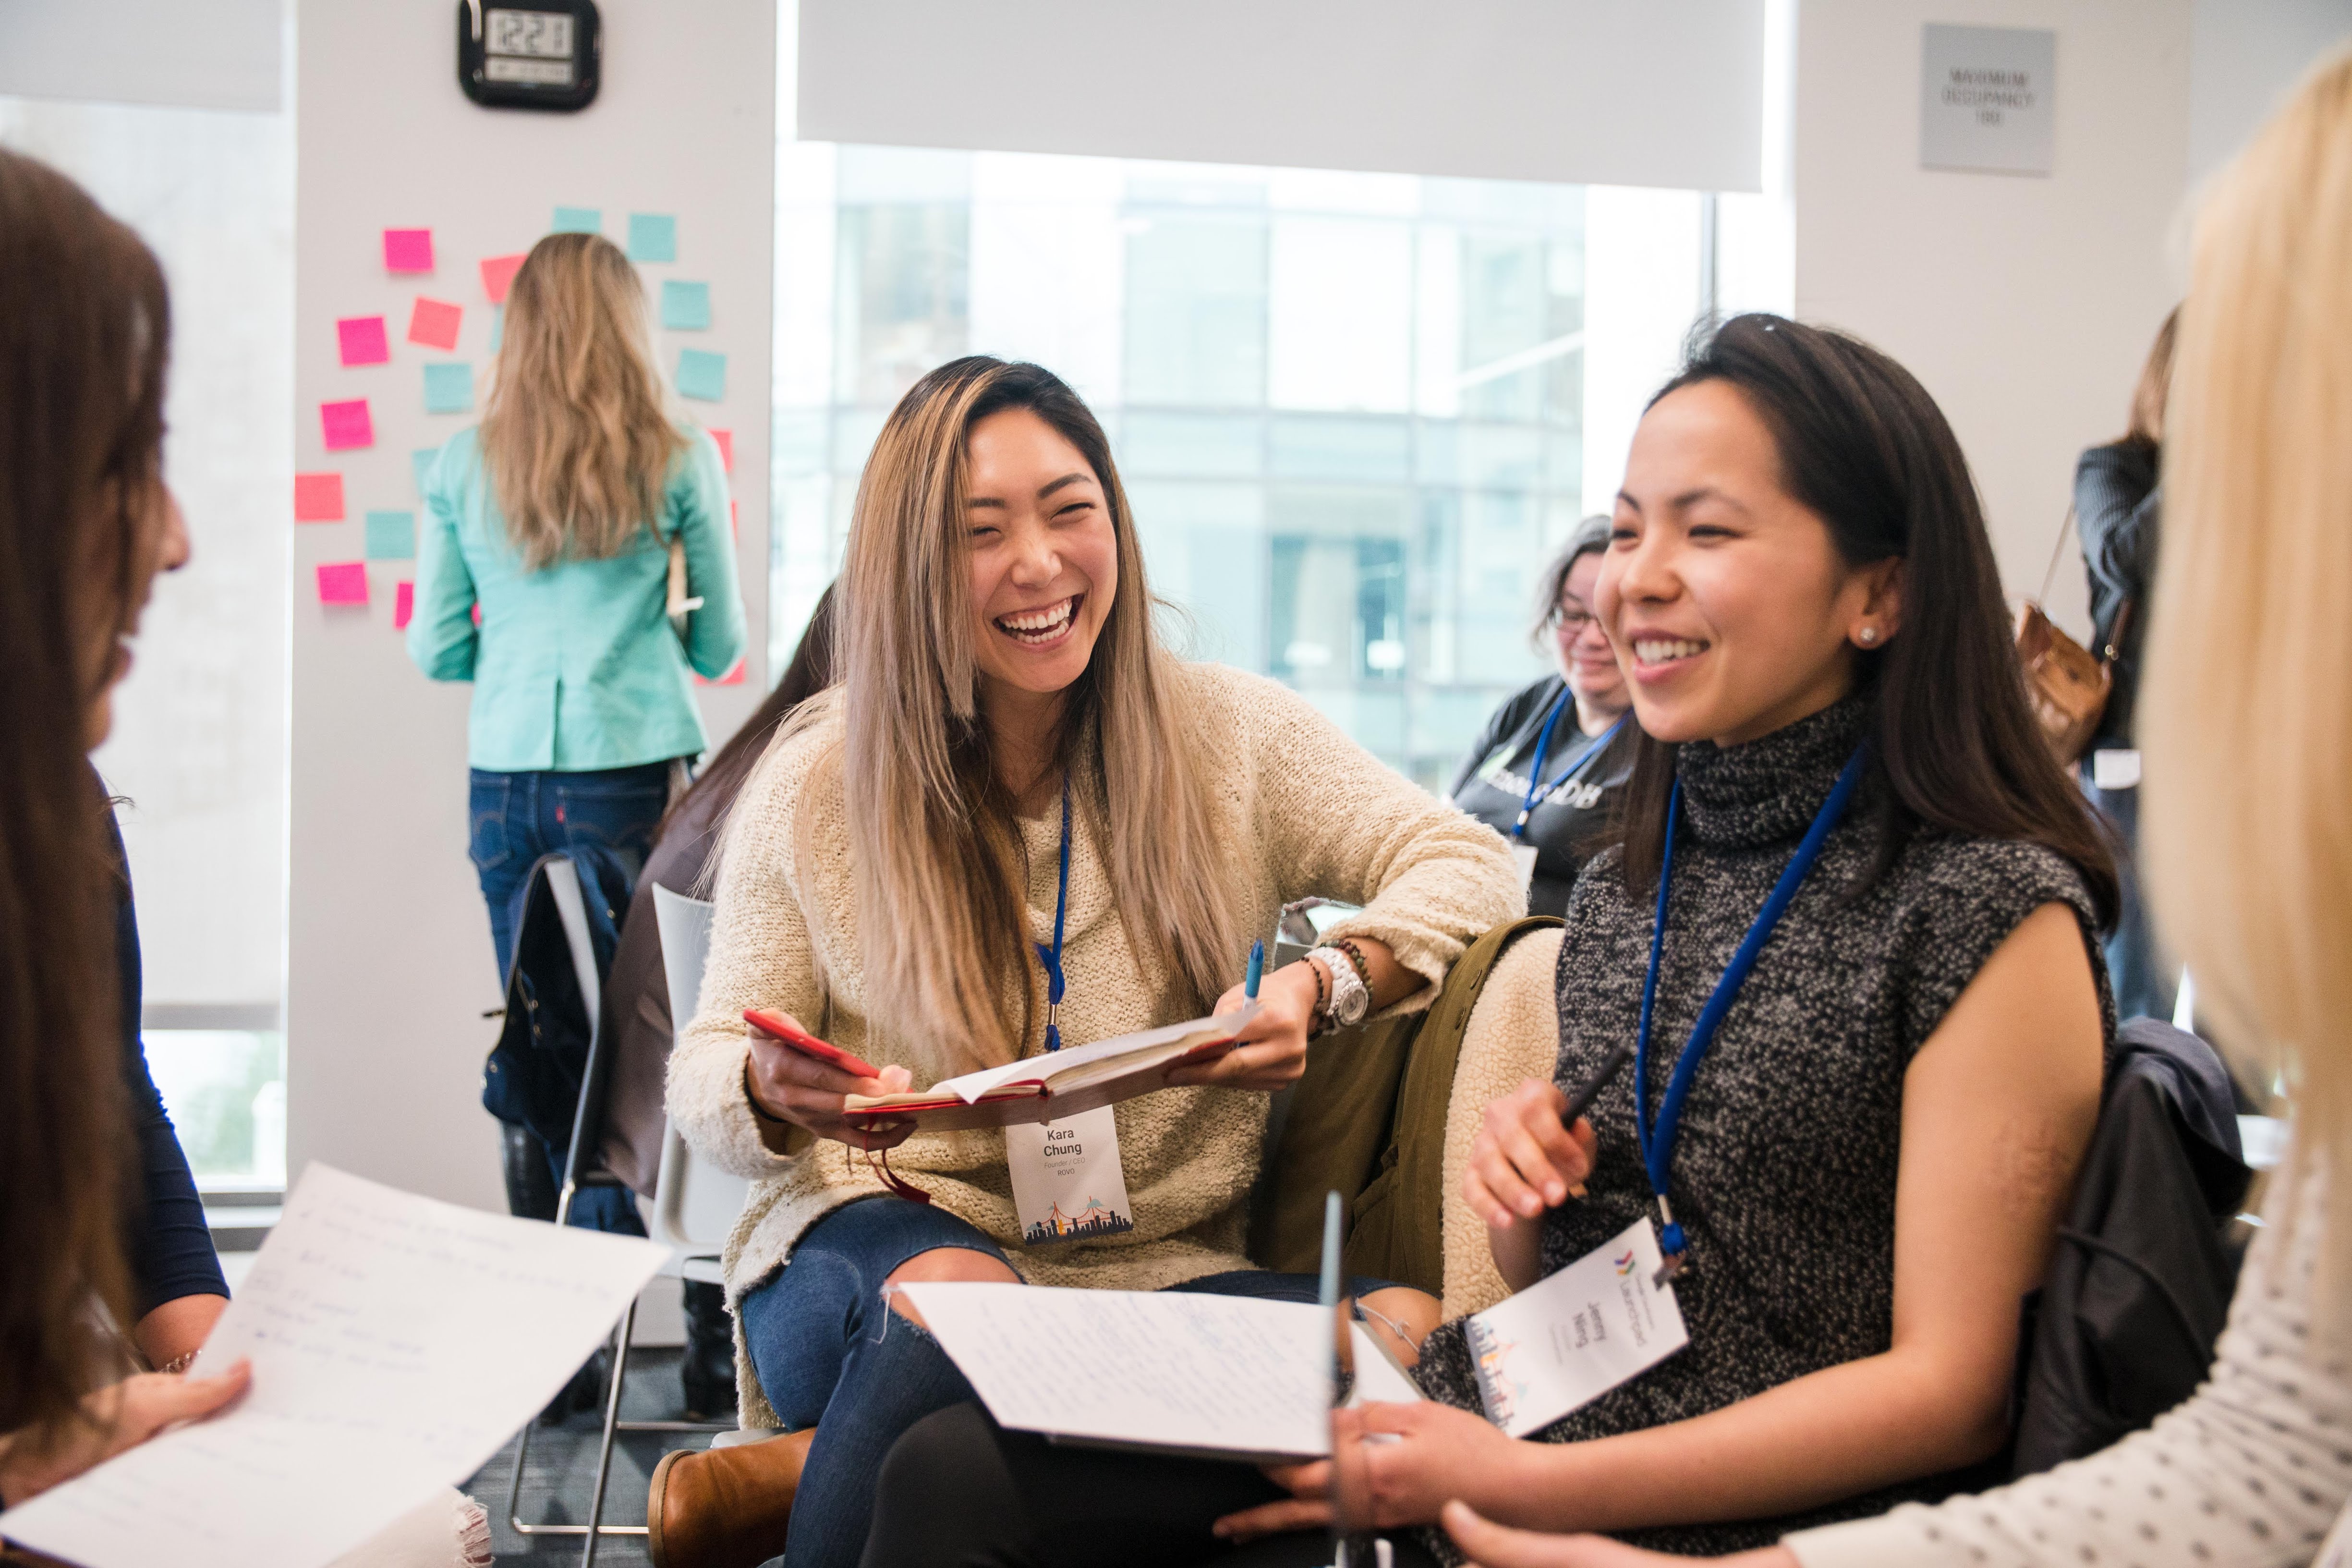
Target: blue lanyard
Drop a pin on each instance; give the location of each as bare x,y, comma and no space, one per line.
1658,1146
1051,957
1537,792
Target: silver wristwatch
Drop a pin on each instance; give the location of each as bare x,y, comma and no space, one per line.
1350,1000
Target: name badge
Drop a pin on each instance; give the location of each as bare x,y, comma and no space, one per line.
1563,1342
2115,769
1066,1179
1523,856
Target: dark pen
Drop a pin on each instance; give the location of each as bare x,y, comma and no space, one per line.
1611,1065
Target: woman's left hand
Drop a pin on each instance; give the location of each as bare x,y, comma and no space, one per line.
1273,1049
1421,1455
1492,1545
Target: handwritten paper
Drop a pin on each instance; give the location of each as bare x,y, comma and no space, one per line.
726,439
318,498
685,306
497,271
1166,1368
408,250
448,388
701,374
404,606
359,340
420,466
347,424
391,536
577,220
398,1342
433,323
653,236
342,583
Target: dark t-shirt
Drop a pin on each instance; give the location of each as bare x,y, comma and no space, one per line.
1568,827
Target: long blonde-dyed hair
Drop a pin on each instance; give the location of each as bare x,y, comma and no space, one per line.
574,434
937,855
2244,721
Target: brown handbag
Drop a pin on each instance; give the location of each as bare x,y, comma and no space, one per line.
2066,683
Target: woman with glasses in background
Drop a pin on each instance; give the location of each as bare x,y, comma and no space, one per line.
1547,766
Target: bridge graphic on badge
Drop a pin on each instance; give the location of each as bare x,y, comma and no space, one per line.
1096,1218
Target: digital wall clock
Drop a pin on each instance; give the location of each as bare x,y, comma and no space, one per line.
543,54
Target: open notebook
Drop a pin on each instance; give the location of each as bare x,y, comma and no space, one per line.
1047,1088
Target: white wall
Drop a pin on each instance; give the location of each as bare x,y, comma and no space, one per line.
389,959
2024,303
216,54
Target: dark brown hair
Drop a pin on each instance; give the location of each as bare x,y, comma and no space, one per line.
84,324
2154,388
809,672
1953,745
1590,538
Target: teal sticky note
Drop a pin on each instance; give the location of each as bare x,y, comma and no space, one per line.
577,220
701,374
498,326
420,463
685,307
653,236
448,388
391,536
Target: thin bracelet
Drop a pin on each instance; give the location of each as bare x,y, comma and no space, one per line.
179,1363
757,1110
1322,1018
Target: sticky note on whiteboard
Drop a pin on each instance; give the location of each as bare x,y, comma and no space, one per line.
653,236
342,583
346,425
318,498
435,323
685,306
391,536
404,606
577,220
726,439
359,340
408,250
497,271
732,678
701,375
448,388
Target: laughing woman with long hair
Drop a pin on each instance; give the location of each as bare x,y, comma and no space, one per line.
1014,775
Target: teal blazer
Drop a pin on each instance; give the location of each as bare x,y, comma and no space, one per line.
575,666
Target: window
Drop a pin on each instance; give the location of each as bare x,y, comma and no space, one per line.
1349,408
199,744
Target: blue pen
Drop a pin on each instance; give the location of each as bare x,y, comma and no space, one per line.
1257,969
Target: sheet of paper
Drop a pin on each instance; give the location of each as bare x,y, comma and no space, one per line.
435,323
726,439
577,220
396,1343
653,236
342,583
408,250
318,498
1567,1340
404,606
685,306
391,536
701,374
497,271
346,425
420,465
359,340
1165,1368
448,388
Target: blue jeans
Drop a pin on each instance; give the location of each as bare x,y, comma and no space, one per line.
518,817
2145,986
831,1354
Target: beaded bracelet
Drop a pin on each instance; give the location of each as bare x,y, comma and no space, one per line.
1346,945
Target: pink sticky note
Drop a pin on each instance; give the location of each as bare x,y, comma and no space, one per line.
347,424
433,323
726,439
478,615
732,678
318,498
344,583
361,338
735,518
404,606
497,271
408,250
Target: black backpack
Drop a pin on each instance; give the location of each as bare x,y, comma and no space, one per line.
2139,1284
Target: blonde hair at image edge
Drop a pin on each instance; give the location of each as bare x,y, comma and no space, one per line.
575,433
2244,720
937,858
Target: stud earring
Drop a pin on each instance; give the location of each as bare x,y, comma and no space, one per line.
1867,635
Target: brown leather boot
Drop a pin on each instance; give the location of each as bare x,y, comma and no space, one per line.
724,1508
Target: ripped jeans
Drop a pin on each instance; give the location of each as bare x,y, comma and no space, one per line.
831,1354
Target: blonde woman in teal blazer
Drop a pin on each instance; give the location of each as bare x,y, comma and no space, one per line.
554,519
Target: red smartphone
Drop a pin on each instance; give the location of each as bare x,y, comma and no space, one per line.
808,1044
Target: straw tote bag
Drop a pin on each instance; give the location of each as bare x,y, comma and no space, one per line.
2066,683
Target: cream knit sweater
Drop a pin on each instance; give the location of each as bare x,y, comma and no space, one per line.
1298,808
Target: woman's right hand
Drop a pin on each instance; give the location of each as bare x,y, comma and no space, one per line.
120,1417
1524,1161
789,1086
